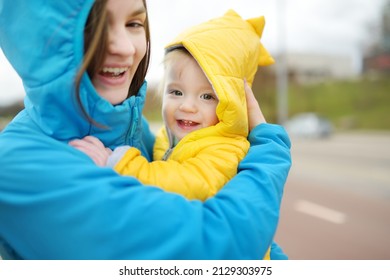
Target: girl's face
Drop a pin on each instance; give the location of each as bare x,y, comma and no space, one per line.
125,50
189,101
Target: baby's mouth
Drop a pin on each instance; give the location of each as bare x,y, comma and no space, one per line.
187,123
113,72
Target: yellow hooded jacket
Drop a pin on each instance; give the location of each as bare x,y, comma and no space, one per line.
228,49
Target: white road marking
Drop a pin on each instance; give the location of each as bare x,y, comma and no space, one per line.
320,211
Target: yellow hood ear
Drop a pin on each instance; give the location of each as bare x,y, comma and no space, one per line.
232,13
265,58
258,25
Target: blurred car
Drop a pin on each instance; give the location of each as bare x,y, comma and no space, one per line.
309,125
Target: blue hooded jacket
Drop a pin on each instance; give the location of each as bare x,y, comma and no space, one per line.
55,203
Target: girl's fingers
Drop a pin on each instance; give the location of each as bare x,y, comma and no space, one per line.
255,115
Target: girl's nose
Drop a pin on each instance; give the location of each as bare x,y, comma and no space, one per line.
120,42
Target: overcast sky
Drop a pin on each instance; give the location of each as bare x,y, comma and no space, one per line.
340,27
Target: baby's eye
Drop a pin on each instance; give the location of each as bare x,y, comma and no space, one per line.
207,96
176,92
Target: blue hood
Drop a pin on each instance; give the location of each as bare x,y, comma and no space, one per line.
45,53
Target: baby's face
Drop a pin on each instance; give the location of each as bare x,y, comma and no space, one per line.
189,101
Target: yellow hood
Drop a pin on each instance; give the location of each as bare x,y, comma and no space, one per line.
228,49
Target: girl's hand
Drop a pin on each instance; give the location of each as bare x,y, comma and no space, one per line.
94,148
255,116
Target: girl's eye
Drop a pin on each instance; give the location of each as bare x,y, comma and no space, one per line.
207,96
134,24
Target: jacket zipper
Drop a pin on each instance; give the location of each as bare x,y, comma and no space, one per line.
167,154
133,126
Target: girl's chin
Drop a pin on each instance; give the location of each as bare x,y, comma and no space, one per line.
113,97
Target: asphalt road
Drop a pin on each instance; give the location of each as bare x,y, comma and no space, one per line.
337,199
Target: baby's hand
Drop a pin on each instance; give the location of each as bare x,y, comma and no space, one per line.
94,148
255,116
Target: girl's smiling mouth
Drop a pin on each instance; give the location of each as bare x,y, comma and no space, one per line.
113,72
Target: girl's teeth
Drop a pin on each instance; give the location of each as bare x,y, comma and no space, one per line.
114,70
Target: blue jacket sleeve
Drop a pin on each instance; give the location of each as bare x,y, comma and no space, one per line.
277,252
65,207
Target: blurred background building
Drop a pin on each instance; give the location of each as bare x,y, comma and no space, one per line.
378,56
315,68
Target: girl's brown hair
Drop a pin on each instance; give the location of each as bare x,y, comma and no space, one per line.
95,47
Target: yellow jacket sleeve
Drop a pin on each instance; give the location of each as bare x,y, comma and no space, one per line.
197,177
